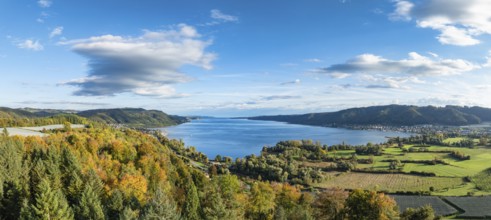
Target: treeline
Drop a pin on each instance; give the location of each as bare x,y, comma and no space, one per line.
389,115
284,162
426,140
10,121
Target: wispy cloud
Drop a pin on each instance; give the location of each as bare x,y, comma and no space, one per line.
62,103
402,11
279,97
312,60
416,65
29,44
220,16
55,32
144,65
45,3
294,82
459,22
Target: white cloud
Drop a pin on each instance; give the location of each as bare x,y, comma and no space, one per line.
296,81
44,3
218,15
57,31
30,45
145,65
313,60
416,65
389,82
433,54
488,60
459,22
402,11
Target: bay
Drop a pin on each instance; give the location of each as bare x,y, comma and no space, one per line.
241,137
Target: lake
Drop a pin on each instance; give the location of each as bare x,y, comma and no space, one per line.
241,137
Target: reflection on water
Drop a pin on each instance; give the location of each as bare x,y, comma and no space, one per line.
241,137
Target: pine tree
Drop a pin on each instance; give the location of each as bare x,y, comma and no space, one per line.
160,207
90,206
115,205
128,214
95,182
11,201
26,211
50,203
213,206
192,203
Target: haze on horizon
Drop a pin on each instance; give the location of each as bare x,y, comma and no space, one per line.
244,58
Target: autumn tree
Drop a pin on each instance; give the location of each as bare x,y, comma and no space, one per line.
423,213
330,204
262,202
368,205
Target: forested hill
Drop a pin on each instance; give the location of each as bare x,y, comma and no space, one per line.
133,117
395,115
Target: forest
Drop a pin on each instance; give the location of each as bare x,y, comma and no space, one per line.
103,172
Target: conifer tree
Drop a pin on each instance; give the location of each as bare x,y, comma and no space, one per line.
50,203
128,214
212,204
115,204
161,207
90,206
26,211
192,203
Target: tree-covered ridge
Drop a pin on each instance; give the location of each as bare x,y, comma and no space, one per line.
393,115
133,117
21,118
130,117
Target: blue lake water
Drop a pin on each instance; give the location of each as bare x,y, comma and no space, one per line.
241,137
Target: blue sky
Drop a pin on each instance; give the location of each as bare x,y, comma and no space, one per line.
240,58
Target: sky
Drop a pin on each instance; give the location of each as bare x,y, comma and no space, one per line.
244,57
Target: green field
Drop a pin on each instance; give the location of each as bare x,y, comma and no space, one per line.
449,180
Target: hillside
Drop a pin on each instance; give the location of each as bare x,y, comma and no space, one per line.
394,115
133,117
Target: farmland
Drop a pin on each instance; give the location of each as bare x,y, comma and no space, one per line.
453,177
473,207
441,207
388,182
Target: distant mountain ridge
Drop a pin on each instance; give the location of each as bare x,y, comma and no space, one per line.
132,117
392,115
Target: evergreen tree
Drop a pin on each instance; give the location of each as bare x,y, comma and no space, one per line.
213,206
161,207
192,203
95,182
90,206
128,214
50,204
26,211
115,204
11,202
